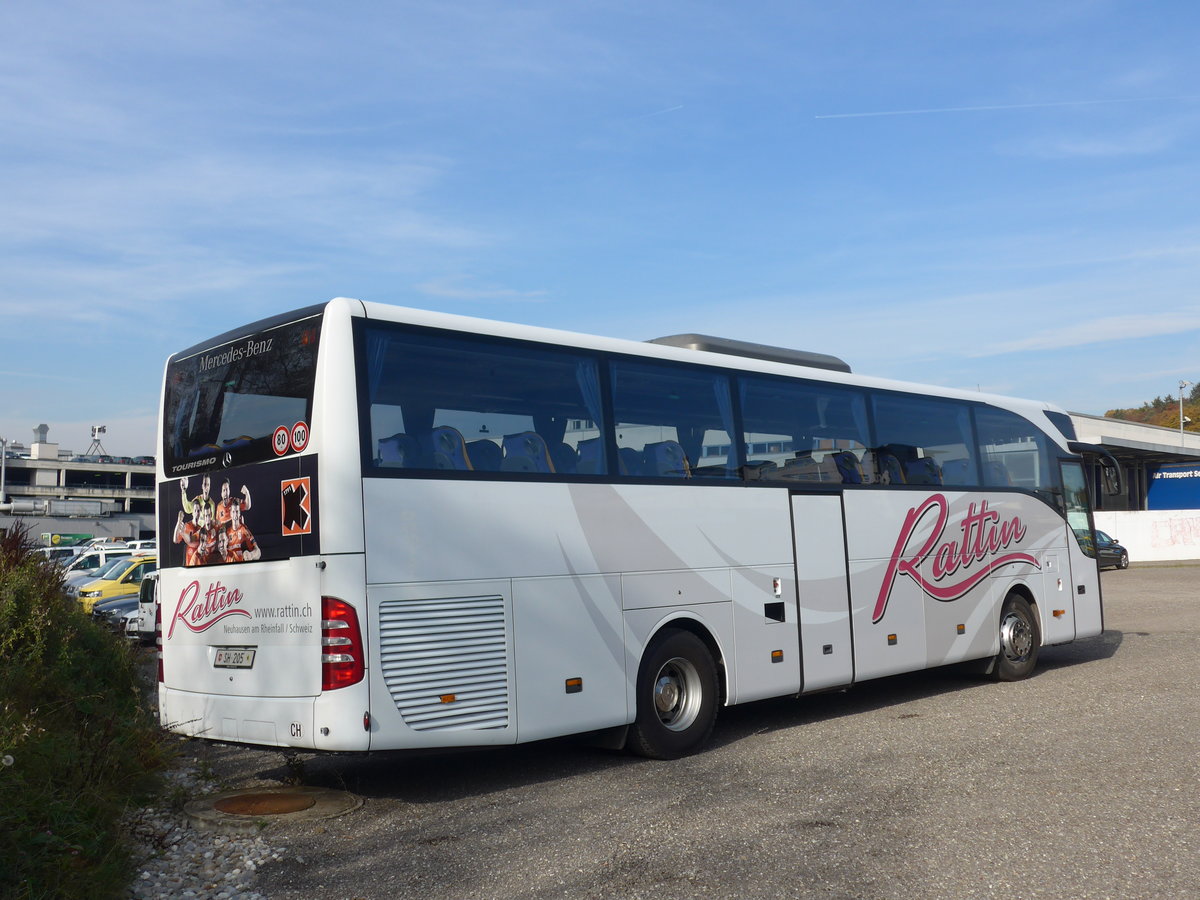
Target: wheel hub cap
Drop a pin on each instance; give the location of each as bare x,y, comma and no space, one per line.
1016,637
677,694
666,695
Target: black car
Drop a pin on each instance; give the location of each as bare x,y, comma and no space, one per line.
111,613
1110,553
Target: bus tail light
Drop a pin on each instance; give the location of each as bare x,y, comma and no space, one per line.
343,662
158,640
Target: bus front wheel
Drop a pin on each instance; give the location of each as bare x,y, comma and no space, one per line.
676,697
1020,640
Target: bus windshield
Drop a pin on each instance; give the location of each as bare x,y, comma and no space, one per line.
232,398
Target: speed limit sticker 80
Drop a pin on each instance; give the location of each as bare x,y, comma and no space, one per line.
281,440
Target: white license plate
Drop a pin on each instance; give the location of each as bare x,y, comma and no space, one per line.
234,658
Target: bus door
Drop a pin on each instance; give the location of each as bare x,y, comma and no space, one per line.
1079,573
822,581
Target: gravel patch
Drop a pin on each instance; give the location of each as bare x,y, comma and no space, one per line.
177,860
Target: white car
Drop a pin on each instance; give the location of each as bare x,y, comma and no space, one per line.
95,557
62,555
147,611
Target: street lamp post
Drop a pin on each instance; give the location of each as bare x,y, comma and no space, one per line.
3,460
1182,384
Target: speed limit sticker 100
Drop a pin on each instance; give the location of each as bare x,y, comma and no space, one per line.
299,438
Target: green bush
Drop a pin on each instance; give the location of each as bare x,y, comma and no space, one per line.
78,746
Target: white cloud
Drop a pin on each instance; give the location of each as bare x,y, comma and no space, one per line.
1096,331
1140,142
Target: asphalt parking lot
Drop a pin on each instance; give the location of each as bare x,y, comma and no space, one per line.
1080,782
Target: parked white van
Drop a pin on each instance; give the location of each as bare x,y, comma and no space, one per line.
84,566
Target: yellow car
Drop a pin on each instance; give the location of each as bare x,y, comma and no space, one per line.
125,578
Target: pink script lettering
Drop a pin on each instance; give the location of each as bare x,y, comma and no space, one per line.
953,568
200,616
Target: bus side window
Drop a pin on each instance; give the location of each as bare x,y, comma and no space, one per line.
917,437
473,405
670,418
1015,453
807,432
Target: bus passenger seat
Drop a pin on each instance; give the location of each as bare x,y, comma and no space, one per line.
869,471
955,471
666,459
760,470
526,452
922,470
802,468
399,451
848,467
485,455
890,470
449,449
564,458
591,457
996,474
629,461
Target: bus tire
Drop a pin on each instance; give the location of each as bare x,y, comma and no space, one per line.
676,697
1020,640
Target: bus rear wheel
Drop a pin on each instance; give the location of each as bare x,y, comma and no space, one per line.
676,697
1020,640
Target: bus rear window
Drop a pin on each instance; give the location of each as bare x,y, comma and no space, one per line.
236,397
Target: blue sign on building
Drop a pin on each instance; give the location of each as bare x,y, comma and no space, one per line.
1174,487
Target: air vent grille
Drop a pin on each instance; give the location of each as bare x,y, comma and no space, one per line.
445,662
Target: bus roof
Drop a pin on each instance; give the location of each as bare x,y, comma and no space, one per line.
721,351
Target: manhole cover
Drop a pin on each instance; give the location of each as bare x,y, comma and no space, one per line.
264,804
250,810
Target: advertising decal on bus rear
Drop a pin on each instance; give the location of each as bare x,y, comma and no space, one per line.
199,610
260,512
205,602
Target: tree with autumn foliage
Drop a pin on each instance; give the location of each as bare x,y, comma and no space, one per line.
1164,411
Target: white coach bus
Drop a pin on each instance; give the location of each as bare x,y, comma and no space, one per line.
385,528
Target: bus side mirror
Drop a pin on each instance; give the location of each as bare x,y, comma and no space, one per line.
1109,466
1112,478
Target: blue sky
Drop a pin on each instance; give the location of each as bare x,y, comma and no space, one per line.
993,196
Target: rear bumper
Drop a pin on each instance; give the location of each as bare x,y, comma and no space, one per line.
267,721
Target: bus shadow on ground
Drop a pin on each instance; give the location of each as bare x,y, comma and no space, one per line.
894,692
428,777
1103,646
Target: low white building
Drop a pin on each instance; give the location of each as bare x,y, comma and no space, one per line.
1150,535
49,490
